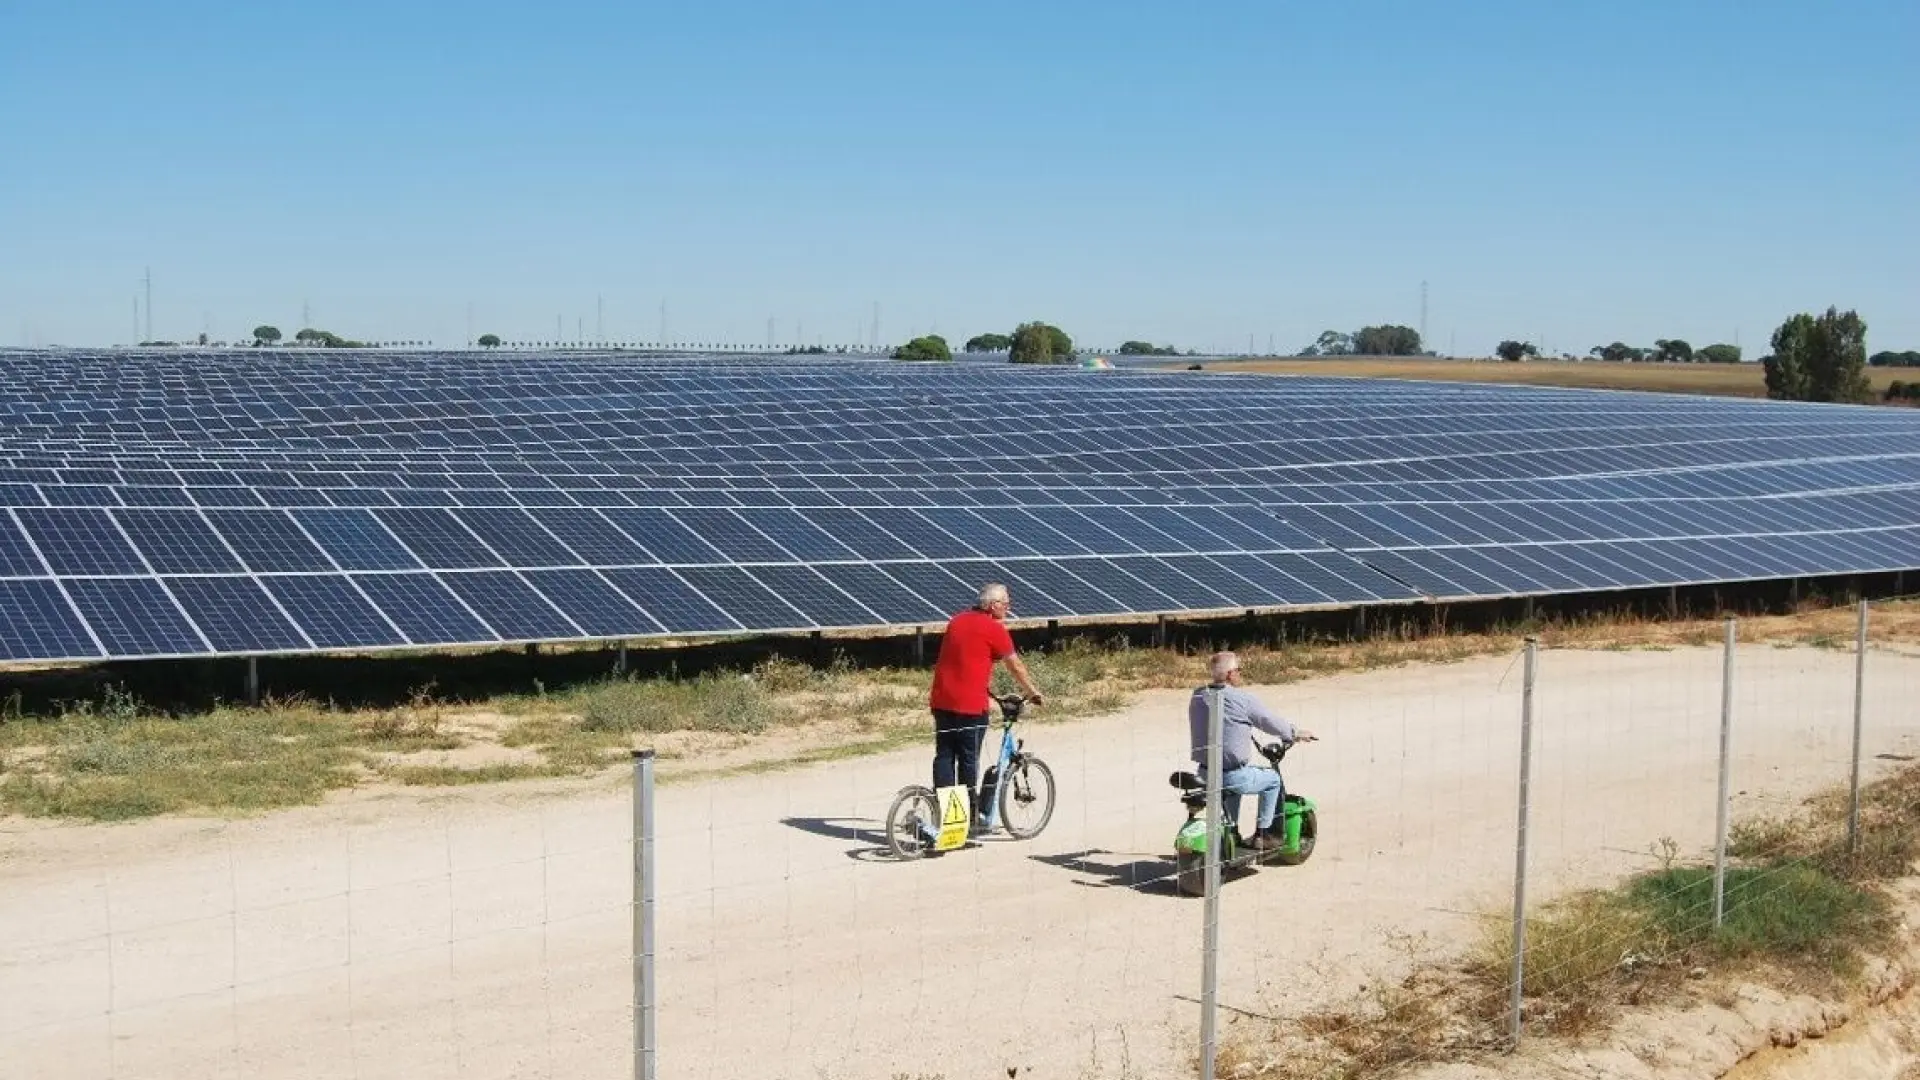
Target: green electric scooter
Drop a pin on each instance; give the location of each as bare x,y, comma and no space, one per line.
1296,824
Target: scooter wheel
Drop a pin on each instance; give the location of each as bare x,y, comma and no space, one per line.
1309,827
1190,875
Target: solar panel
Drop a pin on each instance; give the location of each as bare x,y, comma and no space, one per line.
177,542
269,541
514,609
515,537
182,503
816,597
37,621
237,615
80,541
438,538
355,539
671,601
664,536
423,609
593,604
134,617
333,613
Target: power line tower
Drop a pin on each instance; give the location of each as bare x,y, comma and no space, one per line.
149,281
874,341
1423,315
663,324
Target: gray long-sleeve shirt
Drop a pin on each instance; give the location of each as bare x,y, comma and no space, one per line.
1240,713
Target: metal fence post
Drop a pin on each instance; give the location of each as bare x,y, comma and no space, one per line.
1859,708
1520,844
1726,768
644,1030
1210,955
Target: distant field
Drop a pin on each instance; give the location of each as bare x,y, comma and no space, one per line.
1727,380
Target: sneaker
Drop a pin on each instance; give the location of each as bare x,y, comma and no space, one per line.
1265,841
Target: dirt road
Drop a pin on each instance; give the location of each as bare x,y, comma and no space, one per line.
485,932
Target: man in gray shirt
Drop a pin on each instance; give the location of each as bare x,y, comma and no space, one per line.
1240,714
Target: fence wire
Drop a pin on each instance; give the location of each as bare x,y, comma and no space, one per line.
481,936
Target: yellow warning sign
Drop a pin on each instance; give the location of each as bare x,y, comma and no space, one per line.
956,812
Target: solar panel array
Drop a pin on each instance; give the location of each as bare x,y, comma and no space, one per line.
183,504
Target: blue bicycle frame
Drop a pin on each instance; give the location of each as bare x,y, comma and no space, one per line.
997,772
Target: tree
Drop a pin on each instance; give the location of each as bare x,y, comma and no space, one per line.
989,343
489,341
1147,348
327,339
1718,354
1039,343
930,347
1386,341
1672,351
266,335
1819,359
1618,352
1888,358
1515,351
1330,343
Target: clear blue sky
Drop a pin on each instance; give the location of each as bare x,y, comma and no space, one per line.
1568,172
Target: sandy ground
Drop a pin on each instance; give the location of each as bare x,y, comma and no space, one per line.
485,932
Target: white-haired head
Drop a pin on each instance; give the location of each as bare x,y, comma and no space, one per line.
1222,665
992,593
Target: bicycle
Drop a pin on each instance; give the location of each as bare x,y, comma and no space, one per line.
1016,785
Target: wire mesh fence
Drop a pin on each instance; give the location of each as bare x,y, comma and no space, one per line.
475,940
483,934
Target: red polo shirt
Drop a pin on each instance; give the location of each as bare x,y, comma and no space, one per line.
974,642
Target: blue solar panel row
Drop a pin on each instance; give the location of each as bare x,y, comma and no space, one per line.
196,504
183,615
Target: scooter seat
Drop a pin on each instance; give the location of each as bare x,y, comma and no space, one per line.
1187,782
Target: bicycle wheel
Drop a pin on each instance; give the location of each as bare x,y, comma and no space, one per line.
1026,797
912,822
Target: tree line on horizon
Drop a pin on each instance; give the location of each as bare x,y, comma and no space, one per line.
1030,343
1815,358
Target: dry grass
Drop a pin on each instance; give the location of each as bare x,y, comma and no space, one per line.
1418,1010
1803,908
1724,380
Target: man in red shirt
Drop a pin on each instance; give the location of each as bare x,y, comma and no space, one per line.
975,640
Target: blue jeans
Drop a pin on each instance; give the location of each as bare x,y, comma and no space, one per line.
1250,780
956,754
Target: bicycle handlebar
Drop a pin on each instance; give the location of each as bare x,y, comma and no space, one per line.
1011,706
